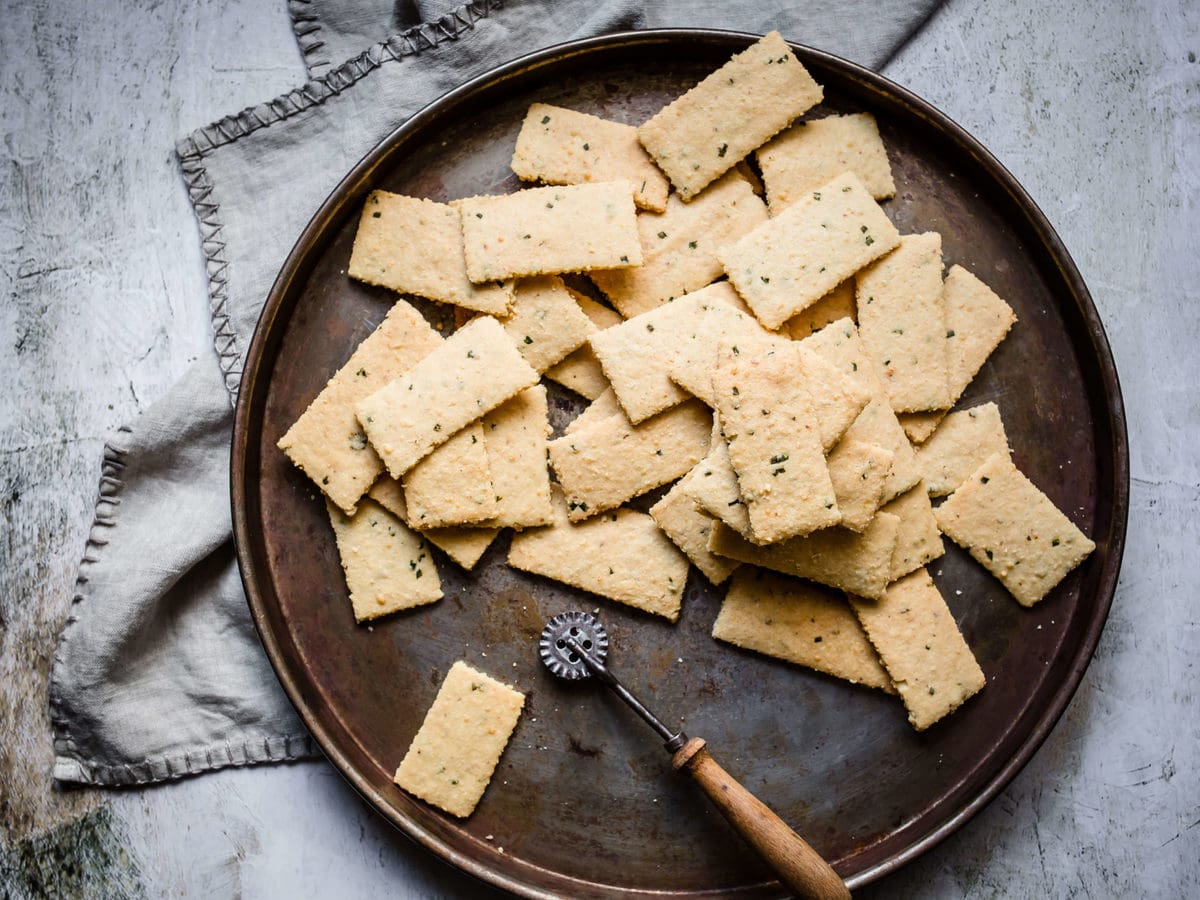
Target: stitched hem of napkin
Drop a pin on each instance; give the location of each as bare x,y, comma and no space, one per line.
306,25
193,148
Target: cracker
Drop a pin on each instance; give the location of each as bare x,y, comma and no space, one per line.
919,541
621,555
473,371
737,108
766,414
1013,530
921,647
326,442
918,426
563,146
609,461
959,446
460,742
811,153
839,344
793,260
688,527
679,246
715,487
465,546
581,371
517,435
801,623
837,304
603,407
837,557
637,354
387,566
415,246
902,320
546,322
453,484
837,399
858,471
542,231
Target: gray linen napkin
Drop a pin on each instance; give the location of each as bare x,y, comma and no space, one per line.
159,672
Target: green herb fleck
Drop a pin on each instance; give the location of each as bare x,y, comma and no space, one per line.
624,259
932,690
1055,542
984,479
989,553
471,354
361,373
545,120
437,427
479,215
528,339
662,235
325,480
649,327
376,214
692,245
587,147
846,189
816,195
950,333
817,639
868,240
782,457
721,150
764,279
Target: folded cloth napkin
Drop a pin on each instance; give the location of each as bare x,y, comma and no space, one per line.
159,672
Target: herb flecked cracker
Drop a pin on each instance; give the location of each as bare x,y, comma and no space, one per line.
543,231
563,146
464,545
919,541
546,323
387,566
688,527
453,484
581,371
621,555
921,647
799,623
1013,530
858,471
460,742
961,444
415,246
516,437
326,442
793,260
473,371
759,92
715,487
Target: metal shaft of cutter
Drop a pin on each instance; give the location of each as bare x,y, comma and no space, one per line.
673,739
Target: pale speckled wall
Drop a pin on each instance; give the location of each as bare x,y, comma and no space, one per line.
1095,108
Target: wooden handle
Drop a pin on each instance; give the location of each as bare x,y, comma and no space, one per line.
797,864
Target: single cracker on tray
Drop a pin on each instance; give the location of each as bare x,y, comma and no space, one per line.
1013,530
921,648
387,566
543,231
517,435
453,484
460,742
563,146
737,108
962,442
811,153
800,623
415,246
546,323
621,555
793,260
581,371
464,545
471,373
688,527
326,442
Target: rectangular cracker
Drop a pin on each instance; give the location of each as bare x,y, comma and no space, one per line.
921,647
637,354
839,344
563,146
453,484
858,471
326,442
737,108
959,446
465,546
837,304
715,487
809,154
688,527
766,414
460,742
679,246
837,557
603,407
543,231
902,320
546,322
1013,530
517,435
581,371
473,371
609,461
387,566
621,555
800,623
919,540
415,246
837,399
793,260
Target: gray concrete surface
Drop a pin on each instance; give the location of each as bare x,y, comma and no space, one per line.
1095,108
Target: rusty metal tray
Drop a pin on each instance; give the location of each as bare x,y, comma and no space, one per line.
583,803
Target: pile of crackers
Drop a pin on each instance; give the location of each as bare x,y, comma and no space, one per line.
787,365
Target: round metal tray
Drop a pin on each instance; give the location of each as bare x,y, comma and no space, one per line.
583,803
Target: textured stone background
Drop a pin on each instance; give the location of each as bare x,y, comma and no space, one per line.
1096,109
